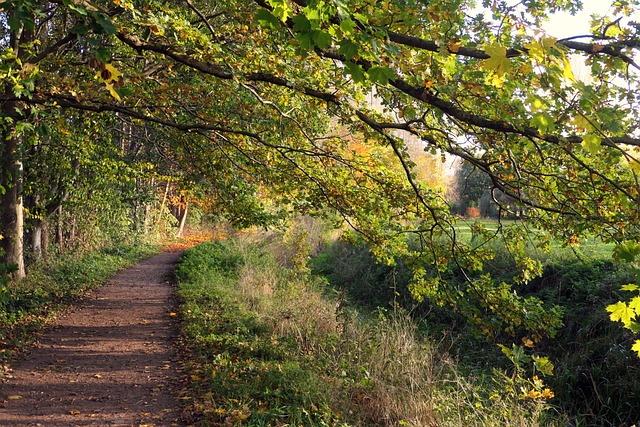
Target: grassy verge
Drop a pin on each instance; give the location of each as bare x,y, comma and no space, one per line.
596,378
271,346
27,305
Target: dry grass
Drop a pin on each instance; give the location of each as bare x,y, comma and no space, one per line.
381,370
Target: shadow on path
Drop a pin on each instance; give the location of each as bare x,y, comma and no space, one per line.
111,362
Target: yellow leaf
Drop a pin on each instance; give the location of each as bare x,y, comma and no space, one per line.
525,68
621,312
592,142
568,72
634,160
498,63
14,397
536,103
581,123
497,80
172,314
113,72
74,412
636,347
538,49
527,342
113,92
635,305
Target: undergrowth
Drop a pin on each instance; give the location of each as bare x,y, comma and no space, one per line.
596,380
27,305
272,345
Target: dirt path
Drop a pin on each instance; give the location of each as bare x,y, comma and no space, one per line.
111,362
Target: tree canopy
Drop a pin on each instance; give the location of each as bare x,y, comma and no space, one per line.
251,102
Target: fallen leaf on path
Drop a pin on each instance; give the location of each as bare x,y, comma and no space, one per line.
14,397
74,412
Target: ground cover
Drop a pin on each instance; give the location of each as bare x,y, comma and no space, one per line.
271,345
596,376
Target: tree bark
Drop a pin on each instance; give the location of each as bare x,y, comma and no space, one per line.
36,240
183,219
60,231
11,218
164,200
45,241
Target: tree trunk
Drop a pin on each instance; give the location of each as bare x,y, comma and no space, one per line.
45,241
12,112
73,233
11,218
60,231
147,211
36,240
183,219
164,201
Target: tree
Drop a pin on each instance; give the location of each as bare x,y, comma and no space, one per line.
247,92
471,187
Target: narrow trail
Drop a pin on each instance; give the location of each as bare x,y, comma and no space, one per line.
111,362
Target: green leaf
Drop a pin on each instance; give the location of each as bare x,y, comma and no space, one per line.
306,42
348,49
543,365
592,142
281,9
79,29
80,9
621,312
361,17
381,75
347,26
543,122
626,252
105,26
266,19
321,39
102,54
301,24
356,72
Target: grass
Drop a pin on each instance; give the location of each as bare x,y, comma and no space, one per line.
597,377
28,305
587,249
273,345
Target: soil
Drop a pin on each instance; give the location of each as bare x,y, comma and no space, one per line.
111,362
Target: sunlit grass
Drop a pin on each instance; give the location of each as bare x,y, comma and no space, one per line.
583,249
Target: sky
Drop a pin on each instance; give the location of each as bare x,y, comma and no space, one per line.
563,25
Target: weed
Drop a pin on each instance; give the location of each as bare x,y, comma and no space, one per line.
270,346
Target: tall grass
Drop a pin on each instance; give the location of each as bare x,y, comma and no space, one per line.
274,345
